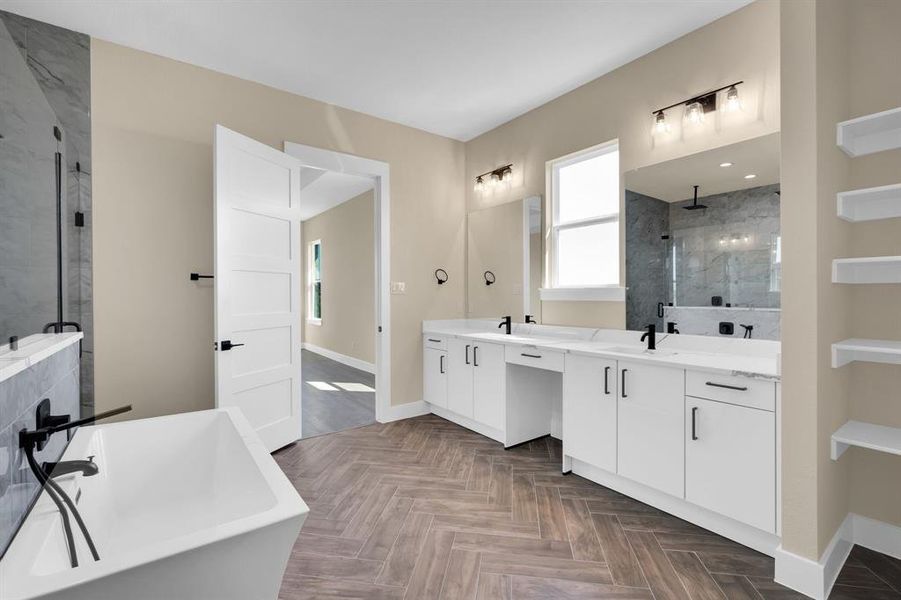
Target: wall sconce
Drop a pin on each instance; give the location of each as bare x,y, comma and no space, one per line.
492,179
698,106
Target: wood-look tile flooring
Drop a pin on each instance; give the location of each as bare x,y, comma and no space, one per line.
423,508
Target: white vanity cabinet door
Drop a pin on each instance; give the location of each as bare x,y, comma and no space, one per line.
650,413
589,410
489,384
459,376
434,377
730,461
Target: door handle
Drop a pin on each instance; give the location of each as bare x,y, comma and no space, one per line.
475,356
728,387
441,363
227,345
623,384
606,381
694,423
467,354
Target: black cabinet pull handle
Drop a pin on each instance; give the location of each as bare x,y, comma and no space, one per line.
623,384
530,355
606,381
441,363
475,356
467,354
728,387
227,345
198,276
434,340
694,423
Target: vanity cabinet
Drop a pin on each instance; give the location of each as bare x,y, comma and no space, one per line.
650,409
459,377
476,381
434,377
589,410
730,460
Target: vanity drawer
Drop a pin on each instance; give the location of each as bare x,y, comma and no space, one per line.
550,360
743,391
438,342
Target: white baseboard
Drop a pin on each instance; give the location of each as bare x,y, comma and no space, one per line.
405,411
816,578
350,361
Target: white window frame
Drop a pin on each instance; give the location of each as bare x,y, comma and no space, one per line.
554,291
310,318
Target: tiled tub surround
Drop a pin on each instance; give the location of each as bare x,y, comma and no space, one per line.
45,72
46,366
705,320
730,249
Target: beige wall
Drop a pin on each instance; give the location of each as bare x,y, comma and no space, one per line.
347,232
153,124
838,62
743,45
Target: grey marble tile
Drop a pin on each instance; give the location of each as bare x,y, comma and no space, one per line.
706,320
647,219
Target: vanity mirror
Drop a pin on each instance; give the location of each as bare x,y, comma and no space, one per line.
703,242
505,241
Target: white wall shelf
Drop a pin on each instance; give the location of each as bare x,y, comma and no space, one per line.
866,435
870,269
878,351
870,204
870,133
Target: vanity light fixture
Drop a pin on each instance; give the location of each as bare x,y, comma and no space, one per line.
492,178
697,106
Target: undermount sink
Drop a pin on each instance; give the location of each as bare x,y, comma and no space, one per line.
641,351
514,339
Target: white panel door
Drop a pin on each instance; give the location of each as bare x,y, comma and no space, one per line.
489,371
730,461
434,376
650,416
459,376
589,410
257,284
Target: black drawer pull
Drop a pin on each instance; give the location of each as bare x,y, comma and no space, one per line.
530,355
441,363
694,423
434,340
606,381
475,356
728,387
467,353
623,384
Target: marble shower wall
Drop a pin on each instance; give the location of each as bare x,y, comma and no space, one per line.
45,81
705,320
730,249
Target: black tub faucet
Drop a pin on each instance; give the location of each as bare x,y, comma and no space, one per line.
671,327
530,319
506,322
651,336
87,467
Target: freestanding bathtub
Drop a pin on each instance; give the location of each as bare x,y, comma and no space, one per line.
188,506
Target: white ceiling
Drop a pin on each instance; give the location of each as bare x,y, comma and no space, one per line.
322,190
672,181
456,68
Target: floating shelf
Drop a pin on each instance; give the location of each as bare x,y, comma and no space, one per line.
870,204
870,269
871,133
866,435
878,351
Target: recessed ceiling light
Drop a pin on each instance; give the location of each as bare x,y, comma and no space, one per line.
726,164
750,176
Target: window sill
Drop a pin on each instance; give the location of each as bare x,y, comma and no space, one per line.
607,293
316,322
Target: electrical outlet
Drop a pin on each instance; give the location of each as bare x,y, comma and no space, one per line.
398,287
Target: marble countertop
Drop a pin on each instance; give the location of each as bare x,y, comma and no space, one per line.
749,358
32,350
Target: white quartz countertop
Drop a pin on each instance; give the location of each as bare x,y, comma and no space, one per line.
749,358
32,350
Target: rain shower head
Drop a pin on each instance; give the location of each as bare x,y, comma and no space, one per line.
694,205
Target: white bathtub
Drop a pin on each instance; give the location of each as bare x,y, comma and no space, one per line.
189,506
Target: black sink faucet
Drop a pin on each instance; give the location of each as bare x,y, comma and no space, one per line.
651,336
508,323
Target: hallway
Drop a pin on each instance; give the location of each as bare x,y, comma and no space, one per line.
335,396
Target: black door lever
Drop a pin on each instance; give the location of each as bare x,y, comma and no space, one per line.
227,345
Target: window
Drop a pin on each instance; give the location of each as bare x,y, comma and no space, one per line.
585,194
315,304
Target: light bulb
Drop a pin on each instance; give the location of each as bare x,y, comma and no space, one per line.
733,104
495,179
480,184
507,175
660,125
694,113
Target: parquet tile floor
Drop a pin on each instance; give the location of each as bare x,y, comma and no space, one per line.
423,508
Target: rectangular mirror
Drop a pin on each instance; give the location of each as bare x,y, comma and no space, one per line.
503,260
703,242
